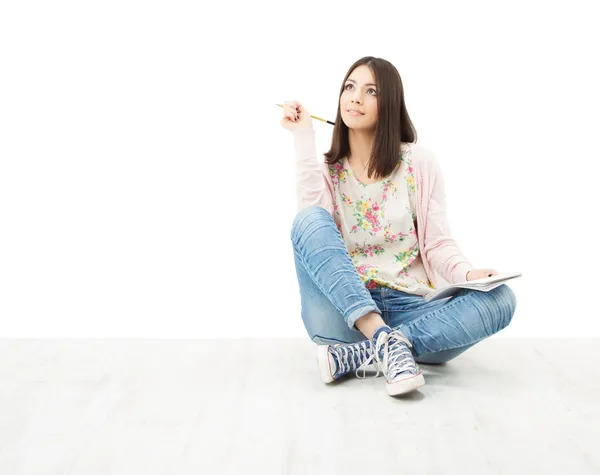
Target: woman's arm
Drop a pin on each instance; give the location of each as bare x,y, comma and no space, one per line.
439,248
313,185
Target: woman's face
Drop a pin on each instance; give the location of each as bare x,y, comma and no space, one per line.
360,93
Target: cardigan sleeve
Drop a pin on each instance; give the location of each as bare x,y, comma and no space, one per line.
440,249
313,183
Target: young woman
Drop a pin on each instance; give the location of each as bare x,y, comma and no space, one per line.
371,234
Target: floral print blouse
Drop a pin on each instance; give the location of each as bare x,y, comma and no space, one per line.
378,224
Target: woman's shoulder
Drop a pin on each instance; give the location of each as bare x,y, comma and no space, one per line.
418,152
417,149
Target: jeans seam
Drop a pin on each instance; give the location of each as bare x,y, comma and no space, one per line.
435,312
448,348
384,309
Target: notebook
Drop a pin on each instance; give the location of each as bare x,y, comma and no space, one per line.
485,285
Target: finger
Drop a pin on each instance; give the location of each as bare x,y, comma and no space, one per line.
295,105
292,104
291,110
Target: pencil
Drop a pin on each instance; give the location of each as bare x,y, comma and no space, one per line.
314,117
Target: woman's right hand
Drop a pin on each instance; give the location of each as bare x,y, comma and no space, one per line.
295,116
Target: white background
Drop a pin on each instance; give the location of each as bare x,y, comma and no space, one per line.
147,186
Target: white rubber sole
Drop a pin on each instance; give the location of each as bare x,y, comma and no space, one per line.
405,385
323,362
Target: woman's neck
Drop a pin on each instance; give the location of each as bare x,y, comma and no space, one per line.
361,144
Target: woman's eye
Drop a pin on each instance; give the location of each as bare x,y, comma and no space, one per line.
348,85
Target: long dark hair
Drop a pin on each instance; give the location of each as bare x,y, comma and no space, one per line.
393,123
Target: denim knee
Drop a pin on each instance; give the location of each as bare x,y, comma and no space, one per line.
306,216
508,305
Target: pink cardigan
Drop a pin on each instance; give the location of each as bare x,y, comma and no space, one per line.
441,256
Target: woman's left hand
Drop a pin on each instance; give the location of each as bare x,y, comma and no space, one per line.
480,273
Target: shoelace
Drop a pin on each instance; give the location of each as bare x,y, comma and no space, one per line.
358,357
399,358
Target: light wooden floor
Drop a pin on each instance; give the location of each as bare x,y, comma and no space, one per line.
258,406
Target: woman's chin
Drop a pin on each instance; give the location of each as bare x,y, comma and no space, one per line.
359,128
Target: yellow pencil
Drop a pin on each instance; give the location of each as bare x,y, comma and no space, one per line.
314,117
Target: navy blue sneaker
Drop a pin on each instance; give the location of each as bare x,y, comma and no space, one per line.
395,359
337,360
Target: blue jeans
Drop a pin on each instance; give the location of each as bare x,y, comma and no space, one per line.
333,297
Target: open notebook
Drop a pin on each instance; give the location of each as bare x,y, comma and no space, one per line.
485,285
